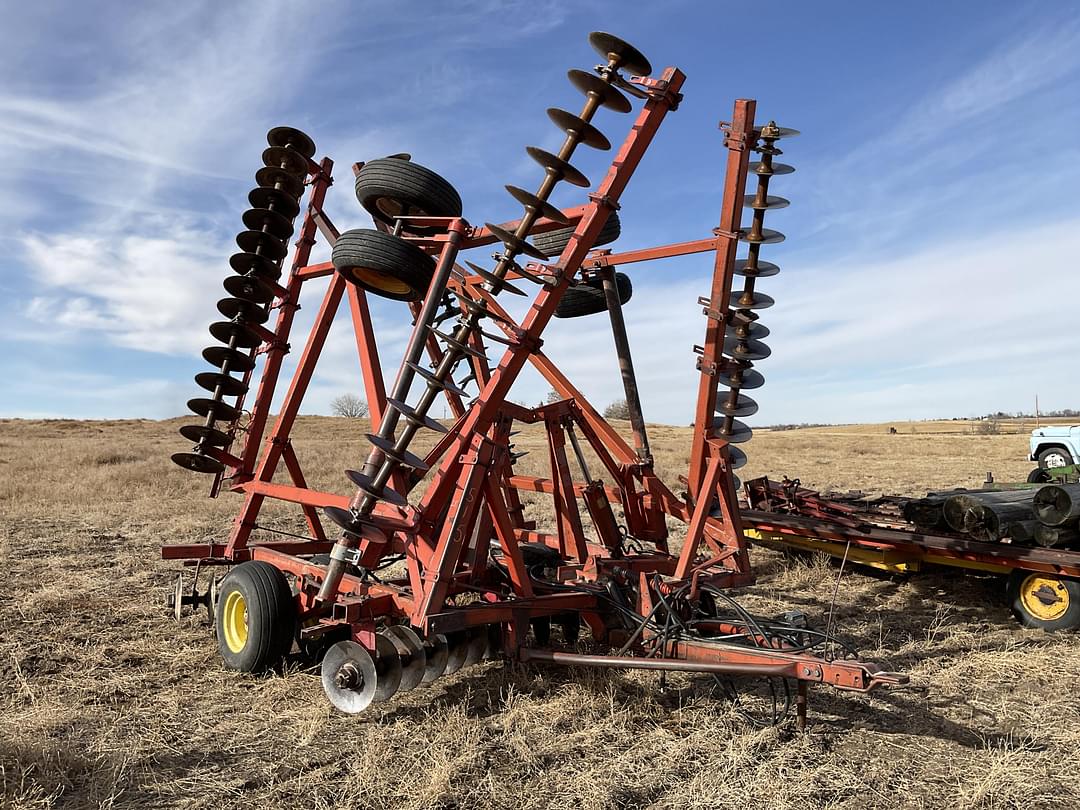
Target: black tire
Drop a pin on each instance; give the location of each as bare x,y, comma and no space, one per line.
1039,476
390,187
1052,457
383,264
588,298
259,592
1044,601
553,242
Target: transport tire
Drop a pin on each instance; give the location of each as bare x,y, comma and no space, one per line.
1044,601
588,298
390,187
383,264
256,617
1053,457
553,242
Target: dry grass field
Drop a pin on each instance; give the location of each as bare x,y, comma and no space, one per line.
106,702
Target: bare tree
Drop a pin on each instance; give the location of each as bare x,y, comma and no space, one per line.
349,405
617,410
552,396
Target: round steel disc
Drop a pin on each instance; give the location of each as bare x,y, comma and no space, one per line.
388,667
273,200
198,463
586,133
476,645
286,159
294,138
366,484
750,379
757,301
261,266
178,597
403,456
744,406
751,350
200,434
760,167
737,458
457,650
437,653
271,222
264,244
250,288
740,431
227,331
203,406
557,166
767,236
736,482
759,270
750,331
218,355
273,177
515,244
230,386
413,656
238,308
350,662
591,84
770,203
774,133
625,55
542,207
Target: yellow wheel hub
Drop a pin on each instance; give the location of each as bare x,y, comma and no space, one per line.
377,280
1045,598
234,621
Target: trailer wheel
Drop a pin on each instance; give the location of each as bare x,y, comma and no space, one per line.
256,617
384,264
1039,476
391,187
554,242
1053,457
587,298
1044,601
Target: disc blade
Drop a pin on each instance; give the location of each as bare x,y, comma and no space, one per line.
277,201
287,136
230,386
553,164
238,308
747,380
737,458
740,300
226,331
476,645
577,127
758,269
625,55
263,219
218,355
515,243
366,484
534,203
770,203
744,406
429,376
457,649
250,288
412,654
774,133
591,84
196,462
273,177
262,266
760,167
765,236
751,331
750,350
496,284
267,246
205,436
450,340
402,457
410,414
286,159
203,406
739,432
349,677
437,653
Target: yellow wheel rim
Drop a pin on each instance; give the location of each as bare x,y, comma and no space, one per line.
234,621
380,282
1045,598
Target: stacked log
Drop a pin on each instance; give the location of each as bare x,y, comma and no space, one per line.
1057,507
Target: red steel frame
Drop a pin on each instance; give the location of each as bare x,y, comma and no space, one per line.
473,492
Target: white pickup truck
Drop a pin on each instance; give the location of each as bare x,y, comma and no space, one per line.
1055,446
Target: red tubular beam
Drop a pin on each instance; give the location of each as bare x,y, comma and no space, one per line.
662,664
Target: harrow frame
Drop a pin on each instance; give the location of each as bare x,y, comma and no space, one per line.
473,496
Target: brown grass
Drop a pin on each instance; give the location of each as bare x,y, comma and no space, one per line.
107,703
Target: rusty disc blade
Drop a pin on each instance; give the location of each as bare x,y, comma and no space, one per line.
457,643
591,84
743,406
230,386
366,484
496,284
625,55
585,132
534,203
263,244
557,166
263,219
437,651
450,340
411,651
763,168
515,243
286,159
238,308
250,288
236,334
196,462
739,431
751,350
740,300
758,269
277,201
211,437
750,331
273,177
293,138
202,406
774,133
765,236
429,376
348,676
402,456
411,415
770,203
748,380
219,355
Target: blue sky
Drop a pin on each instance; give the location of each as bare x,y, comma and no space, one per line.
931,261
